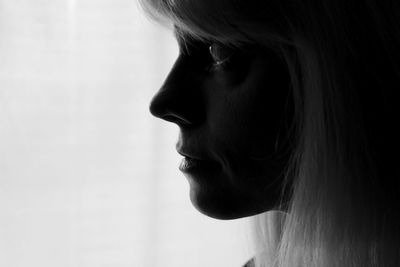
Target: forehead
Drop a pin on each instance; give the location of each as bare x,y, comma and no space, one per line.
184,36
187,37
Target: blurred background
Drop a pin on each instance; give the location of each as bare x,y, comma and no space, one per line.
87,176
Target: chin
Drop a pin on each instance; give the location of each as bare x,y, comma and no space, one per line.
225,206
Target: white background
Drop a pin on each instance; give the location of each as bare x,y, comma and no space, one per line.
87,176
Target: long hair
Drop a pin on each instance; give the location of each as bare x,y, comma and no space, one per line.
343,58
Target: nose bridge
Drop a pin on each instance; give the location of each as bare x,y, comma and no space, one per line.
179,99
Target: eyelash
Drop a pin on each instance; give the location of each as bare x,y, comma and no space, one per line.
218,64
200,49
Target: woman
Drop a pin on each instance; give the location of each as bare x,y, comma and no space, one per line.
290,106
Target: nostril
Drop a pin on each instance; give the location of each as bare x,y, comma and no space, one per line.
181,121
168,108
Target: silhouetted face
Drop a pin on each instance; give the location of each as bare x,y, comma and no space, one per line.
229,105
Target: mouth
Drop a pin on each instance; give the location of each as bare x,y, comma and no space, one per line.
196,165
193,166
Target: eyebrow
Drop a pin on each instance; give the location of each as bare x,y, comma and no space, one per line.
181,34
182,39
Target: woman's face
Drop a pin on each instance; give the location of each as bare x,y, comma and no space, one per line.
229,105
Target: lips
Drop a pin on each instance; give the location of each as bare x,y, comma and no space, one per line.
191,155
193,163
188,164
198,167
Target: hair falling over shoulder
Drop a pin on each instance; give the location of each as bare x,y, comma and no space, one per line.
344,61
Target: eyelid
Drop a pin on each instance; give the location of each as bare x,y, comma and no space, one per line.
220,59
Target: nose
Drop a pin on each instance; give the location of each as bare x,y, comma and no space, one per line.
179,99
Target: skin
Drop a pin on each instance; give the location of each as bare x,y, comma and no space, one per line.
232,114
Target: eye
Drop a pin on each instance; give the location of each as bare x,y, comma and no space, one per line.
211,56
220,54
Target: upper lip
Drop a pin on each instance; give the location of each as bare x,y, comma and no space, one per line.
197,156
189,155
191,152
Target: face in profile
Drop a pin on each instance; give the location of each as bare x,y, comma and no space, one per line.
230,105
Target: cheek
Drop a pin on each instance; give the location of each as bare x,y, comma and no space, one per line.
245,129
250,115
248,121
266,116
264,121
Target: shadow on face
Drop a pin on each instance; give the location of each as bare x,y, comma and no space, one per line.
232,107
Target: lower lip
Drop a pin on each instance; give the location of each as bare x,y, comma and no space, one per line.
192,166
